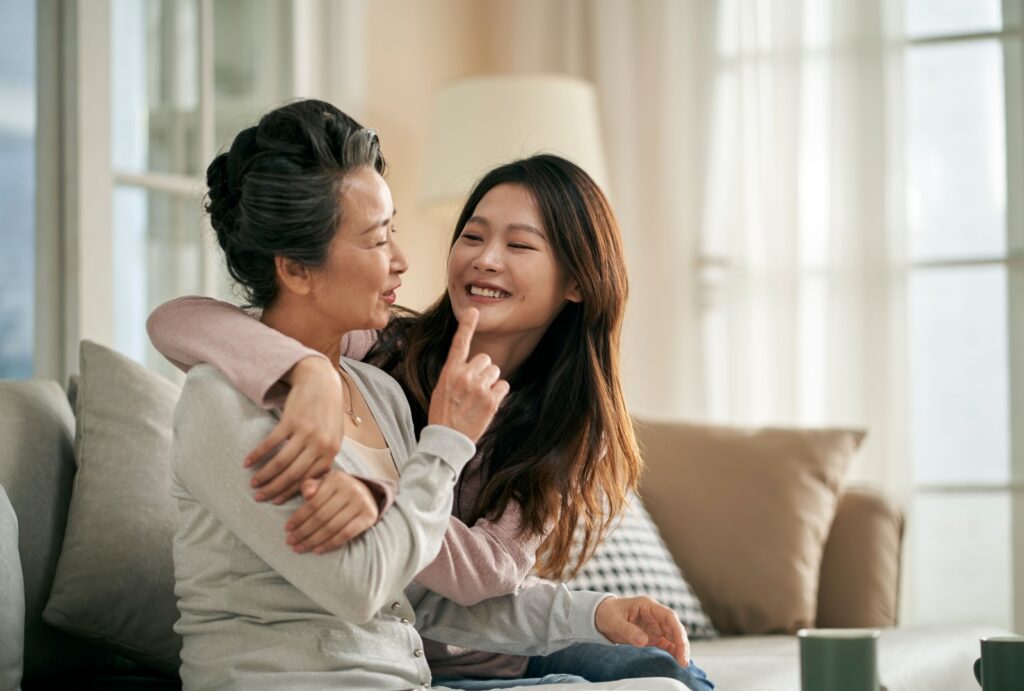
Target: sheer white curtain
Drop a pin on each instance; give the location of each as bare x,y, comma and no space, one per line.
749,150
800,260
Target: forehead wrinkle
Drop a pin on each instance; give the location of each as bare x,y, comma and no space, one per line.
381,223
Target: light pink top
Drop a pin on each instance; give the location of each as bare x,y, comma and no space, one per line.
487,559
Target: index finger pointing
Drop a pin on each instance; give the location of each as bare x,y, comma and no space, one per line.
459,350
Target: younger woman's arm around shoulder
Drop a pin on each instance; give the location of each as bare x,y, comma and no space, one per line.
272,370
254,357
214,422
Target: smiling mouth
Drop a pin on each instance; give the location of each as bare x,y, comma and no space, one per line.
481,292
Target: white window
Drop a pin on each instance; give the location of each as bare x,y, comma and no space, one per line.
151,92
964,171
185,77
17,186
862,263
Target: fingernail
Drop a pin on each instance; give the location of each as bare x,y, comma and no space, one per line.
246,463
254,482
260,496
290,540
318,550
299,549
279,501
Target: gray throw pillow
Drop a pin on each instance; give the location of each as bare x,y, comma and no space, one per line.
114,583
12,594
633,560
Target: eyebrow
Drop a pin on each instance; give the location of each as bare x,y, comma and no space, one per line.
382,222
511,226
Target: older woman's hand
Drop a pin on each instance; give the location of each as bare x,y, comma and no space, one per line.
468,392
641,621
337,508
309,434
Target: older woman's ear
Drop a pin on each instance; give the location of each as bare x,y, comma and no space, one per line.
294,276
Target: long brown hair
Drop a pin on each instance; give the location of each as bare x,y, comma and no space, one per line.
562,445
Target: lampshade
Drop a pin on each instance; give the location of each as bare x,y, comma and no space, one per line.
482,122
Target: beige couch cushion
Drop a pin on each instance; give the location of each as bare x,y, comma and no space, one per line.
746,513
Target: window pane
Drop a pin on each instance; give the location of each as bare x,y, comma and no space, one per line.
155,85
252,62
959,375
938,17
959,559
17,186
956,150
158,246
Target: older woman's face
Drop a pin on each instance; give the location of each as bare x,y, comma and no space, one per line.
356,287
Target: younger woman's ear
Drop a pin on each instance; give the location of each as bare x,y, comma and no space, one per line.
572,294
293,275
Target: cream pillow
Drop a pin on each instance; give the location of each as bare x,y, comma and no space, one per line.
746,513
114,583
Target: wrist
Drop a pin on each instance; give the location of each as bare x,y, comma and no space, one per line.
308,367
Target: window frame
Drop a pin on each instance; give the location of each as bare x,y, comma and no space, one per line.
75,176
1012,43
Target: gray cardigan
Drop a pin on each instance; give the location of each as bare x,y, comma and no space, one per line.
255,615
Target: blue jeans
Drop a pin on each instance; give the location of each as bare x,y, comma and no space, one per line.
596,663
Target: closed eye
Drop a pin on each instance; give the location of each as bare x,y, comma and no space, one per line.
471,237
520,246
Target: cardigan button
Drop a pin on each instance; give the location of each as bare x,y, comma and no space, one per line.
396,605
418,652
404,620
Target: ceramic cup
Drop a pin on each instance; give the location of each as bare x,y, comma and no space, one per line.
1001,665
838,659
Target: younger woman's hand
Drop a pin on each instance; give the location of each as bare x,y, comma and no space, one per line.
468,392
337,508
643,622
309,433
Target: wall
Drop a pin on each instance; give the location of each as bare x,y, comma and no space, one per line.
413,47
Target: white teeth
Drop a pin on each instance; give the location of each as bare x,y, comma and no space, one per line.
487,292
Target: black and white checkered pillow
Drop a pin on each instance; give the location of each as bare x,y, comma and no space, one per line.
633,560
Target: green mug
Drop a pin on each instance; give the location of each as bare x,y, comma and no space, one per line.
1001,665
838,659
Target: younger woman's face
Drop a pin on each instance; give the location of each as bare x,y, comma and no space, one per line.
504,265
356,287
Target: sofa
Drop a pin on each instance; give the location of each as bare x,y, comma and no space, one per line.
845,569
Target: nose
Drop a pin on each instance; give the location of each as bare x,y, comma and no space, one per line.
488,259
399,265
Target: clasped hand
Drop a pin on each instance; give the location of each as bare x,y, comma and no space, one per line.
337,506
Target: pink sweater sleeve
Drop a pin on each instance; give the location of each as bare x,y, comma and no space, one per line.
489,559
252,356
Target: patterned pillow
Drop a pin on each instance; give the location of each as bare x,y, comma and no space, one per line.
633,560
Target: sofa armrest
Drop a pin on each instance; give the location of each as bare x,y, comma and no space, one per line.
860,569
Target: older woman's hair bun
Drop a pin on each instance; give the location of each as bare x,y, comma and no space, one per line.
276,191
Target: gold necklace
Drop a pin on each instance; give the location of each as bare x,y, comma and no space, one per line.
351,412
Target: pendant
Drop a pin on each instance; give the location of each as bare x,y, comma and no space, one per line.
356,420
